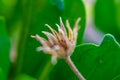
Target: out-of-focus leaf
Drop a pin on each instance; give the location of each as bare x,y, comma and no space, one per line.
11,10
4,51
35,15
1,74
94,62
116,77
117,5
14,21
24,77
6,7
107,16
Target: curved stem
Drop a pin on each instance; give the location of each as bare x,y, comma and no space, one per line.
73,67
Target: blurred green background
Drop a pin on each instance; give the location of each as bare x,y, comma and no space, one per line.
19,19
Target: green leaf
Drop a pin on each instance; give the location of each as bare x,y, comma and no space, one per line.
4,51
93,61
24,77
116,77
36,14
107,16
6,7
2,27
12,11
1,74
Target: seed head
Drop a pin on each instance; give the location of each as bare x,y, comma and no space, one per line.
59,44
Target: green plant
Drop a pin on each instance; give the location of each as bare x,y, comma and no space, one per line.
19,60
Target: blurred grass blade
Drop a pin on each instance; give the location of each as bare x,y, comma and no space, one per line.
4,51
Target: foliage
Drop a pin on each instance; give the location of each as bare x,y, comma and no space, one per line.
107,16
4,51
96,62
19,19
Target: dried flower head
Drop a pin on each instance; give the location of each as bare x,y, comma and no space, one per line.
59,44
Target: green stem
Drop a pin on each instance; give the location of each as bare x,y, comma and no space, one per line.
45,71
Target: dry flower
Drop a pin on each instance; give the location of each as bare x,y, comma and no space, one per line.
59,44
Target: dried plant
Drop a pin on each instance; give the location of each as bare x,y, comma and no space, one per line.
60,44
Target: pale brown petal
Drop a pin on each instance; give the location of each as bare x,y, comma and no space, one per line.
61,33
54,32
76,28
52,38
70,33
49,50
77,22
62,27
42,40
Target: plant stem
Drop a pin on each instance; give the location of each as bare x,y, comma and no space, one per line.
73,67
43,75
